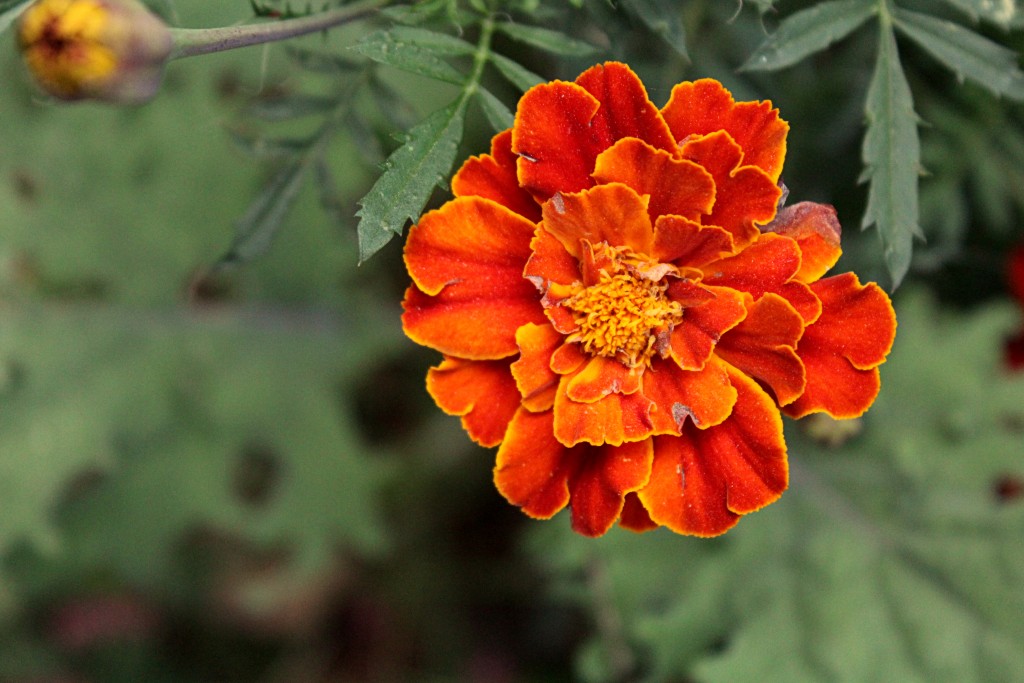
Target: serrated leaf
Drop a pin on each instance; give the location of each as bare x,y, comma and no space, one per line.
892,159
291,106
417,13
515,73
410,176
546,39
256,229
1003,13
498,115
10,10
414,50
663,18
809,31
964,52
888,559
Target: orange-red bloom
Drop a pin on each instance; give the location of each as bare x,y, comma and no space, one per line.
625,310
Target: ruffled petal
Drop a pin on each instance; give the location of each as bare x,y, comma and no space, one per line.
614,419
602,376
532,469
493,176
568,358
532,372
744,196
704,106
482,393
469,298
675,186
844,347
704,396
767,265
634,515
605,476
612,213
687,243
693,341
702,482
817,232
764,347
626,111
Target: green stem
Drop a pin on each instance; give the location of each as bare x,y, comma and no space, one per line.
200,41
480,57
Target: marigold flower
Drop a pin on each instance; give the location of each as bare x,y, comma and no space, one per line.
625,311
108,50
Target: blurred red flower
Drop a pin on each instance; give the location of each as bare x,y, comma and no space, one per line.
1015,278
624,309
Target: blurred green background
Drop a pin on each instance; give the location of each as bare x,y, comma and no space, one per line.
235,474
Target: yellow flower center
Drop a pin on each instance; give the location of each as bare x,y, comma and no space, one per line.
626,313
64,43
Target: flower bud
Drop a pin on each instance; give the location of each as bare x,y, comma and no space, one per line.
108,50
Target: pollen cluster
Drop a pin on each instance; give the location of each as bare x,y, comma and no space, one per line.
623,314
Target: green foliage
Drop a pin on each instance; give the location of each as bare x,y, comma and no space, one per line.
9,11
889,557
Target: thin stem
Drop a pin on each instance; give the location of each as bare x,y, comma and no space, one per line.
200,41
480,57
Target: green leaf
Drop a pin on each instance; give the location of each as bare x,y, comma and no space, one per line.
546,39
415,50
517,75
809,31
963,51
317,61
410,176
10,10
891,153
262,147
256,229
1003,13
498,115
291,106
418,12
891,544
663,18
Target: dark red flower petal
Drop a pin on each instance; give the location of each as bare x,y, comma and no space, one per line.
744,195
687,243
675,186
482,393
469,296
634,515
816,229
493,176
842,350
704,106
764,347
703,481
693,340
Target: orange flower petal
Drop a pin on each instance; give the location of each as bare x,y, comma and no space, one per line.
532,372
493,176
767,265
612,213
816,229
614,419
606,475
532,469
704,480
469,296
634,515
602,376
693,341
550,262
560,127
675,186
626,111
704,106
844,347
704,396
568,358
764,347
481,392
744,195
686,243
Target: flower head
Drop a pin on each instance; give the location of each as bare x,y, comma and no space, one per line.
625,310
108,50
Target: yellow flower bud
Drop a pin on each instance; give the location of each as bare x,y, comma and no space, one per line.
108,50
